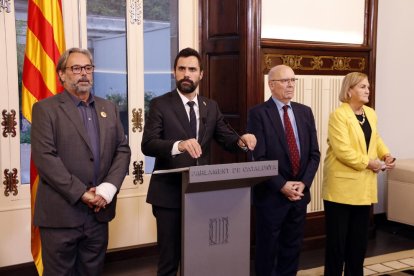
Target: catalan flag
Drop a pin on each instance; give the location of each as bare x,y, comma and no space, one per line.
45,42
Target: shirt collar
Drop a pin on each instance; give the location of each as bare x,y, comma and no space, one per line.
77,101
186,100
279,104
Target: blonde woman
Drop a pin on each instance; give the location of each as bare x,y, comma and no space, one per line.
355,155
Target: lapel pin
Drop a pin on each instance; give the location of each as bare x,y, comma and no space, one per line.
204,103
103,114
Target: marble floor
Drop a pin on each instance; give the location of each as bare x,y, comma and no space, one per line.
389,237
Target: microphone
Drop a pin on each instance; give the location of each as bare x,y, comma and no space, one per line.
245,149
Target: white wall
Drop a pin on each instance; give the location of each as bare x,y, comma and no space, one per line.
394,95
318,20
394,83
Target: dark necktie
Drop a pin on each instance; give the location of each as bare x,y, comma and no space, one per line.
193,120
291,141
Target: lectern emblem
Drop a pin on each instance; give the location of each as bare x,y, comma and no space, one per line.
219,231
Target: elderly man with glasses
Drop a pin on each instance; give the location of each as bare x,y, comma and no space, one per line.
285,131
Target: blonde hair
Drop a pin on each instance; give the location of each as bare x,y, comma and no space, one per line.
349,82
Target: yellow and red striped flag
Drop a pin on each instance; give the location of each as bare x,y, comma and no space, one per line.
45,42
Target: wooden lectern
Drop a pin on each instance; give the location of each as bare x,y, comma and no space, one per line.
216,204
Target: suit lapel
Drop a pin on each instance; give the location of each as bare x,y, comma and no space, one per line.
101,114
203,110
372,123
179,109
356,127
274,117
301,126
72,113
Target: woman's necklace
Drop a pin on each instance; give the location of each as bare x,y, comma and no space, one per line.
363,118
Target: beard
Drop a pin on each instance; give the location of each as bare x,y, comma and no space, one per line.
186,86
83,85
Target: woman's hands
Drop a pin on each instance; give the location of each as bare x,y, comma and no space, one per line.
378,165
375,165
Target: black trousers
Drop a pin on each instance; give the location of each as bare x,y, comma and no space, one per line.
168,239
75,251
279,236
346,238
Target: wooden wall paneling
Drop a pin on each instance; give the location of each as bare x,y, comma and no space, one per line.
314,236
223,88
224,83
320,60
223,18
253,74
371,36
221,47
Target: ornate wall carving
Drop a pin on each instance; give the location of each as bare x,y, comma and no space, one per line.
315,62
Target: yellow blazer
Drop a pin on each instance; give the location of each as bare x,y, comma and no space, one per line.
345,176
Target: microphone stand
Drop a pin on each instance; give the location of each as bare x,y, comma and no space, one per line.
245,148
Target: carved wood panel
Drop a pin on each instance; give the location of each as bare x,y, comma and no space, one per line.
222,49
226,21
224,82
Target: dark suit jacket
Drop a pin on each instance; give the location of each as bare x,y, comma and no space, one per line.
63,156
265,123
167,122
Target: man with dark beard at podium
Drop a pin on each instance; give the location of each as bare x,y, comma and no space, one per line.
178,132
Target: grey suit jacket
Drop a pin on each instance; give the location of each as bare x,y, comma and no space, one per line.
63,157
167,123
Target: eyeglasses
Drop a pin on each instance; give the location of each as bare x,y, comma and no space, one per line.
285,81
77,69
